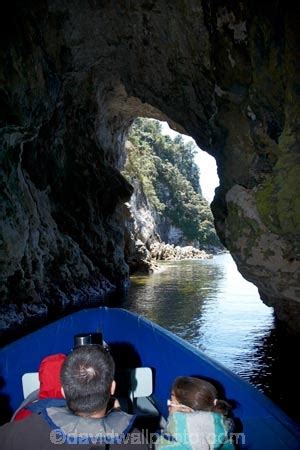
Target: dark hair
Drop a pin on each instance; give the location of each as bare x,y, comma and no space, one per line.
86,377
200,395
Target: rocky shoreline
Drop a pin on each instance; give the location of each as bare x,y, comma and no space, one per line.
161,251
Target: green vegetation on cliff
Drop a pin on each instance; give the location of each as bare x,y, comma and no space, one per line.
169,177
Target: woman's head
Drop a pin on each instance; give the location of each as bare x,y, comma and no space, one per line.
199,395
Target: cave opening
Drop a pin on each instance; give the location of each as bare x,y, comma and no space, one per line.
209,179
66,125
168,204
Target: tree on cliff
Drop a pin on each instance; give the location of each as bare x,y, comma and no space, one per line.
166,170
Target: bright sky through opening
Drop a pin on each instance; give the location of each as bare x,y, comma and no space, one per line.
209,179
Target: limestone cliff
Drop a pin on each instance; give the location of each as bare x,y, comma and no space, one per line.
75,74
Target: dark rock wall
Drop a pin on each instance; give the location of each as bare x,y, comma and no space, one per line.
74,76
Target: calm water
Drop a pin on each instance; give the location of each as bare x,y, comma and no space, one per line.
209,304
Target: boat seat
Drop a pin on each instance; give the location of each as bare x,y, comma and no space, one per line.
141,382
137,384
30,383
134,390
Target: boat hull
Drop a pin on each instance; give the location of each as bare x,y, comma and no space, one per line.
136,341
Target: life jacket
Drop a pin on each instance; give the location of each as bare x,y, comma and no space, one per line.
110,429
50,388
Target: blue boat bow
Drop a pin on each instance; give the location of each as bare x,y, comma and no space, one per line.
264,425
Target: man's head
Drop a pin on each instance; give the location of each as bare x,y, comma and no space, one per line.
87,379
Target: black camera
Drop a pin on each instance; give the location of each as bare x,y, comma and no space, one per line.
88,339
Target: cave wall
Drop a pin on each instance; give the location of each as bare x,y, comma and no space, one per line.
74,75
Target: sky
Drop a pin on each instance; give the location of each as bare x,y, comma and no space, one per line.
209,179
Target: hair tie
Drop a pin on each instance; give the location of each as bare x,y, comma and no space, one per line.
215,401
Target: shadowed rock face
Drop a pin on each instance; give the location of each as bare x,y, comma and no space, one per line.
76,73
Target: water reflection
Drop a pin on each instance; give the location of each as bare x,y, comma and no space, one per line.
209,304
174,297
